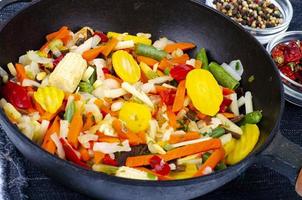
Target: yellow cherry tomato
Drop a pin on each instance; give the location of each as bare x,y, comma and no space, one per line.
245,144
136,116
204,91
125,66
50,98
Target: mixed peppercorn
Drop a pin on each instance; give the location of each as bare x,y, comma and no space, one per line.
287,57
254,13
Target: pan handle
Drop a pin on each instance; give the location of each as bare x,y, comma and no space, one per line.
284,157
4,3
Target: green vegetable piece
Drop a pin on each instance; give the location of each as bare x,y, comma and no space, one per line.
150,74
220,166
222,76
217,132
69,111
202,56
150,51
151,176
55,44
167,147
167,71
251,79
93,77
108,169
85,87
252,118
205,156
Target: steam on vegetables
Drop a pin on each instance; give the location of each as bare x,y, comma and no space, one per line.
124,105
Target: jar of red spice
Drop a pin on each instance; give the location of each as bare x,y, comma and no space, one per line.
286,51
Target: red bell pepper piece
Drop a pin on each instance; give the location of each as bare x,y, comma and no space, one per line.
16,95
71,155
107,160
179,72
105,70
225,104
159,165
167,96
102,35
57,60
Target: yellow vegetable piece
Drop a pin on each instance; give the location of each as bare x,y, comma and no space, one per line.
50,98
229,147
136,39
136,116
245,144
191,169
204,91
125,66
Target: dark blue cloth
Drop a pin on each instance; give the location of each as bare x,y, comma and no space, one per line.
22,180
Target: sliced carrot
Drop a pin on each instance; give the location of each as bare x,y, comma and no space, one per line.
109,139
143,78
84,154
109,76
89,122
186,137
211,162
48,144
187,150
192,149
147,60
201,115
165,64
181,59
98,157
75,128
21,74
160,177
142,136
50,116
109,46
132,137
179,97
93,53
53,35
172,118
198,64
229,115
181,45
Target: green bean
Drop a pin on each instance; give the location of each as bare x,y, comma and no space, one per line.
92,78
252,118
69,111
222,77
217,132
86,87
220,166
150,51
205,156
202,56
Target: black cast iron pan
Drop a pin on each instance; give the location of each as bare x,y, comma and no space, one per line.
181,20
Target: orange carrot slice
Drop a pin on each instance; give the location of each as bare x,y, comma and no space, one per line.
186,137
21,74
181,59
211,162
179,97
187,150
148,61
48,144
93,53
181,45
75,128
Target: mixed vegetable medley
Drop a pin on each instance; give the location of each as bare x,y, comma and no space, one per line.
126,106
